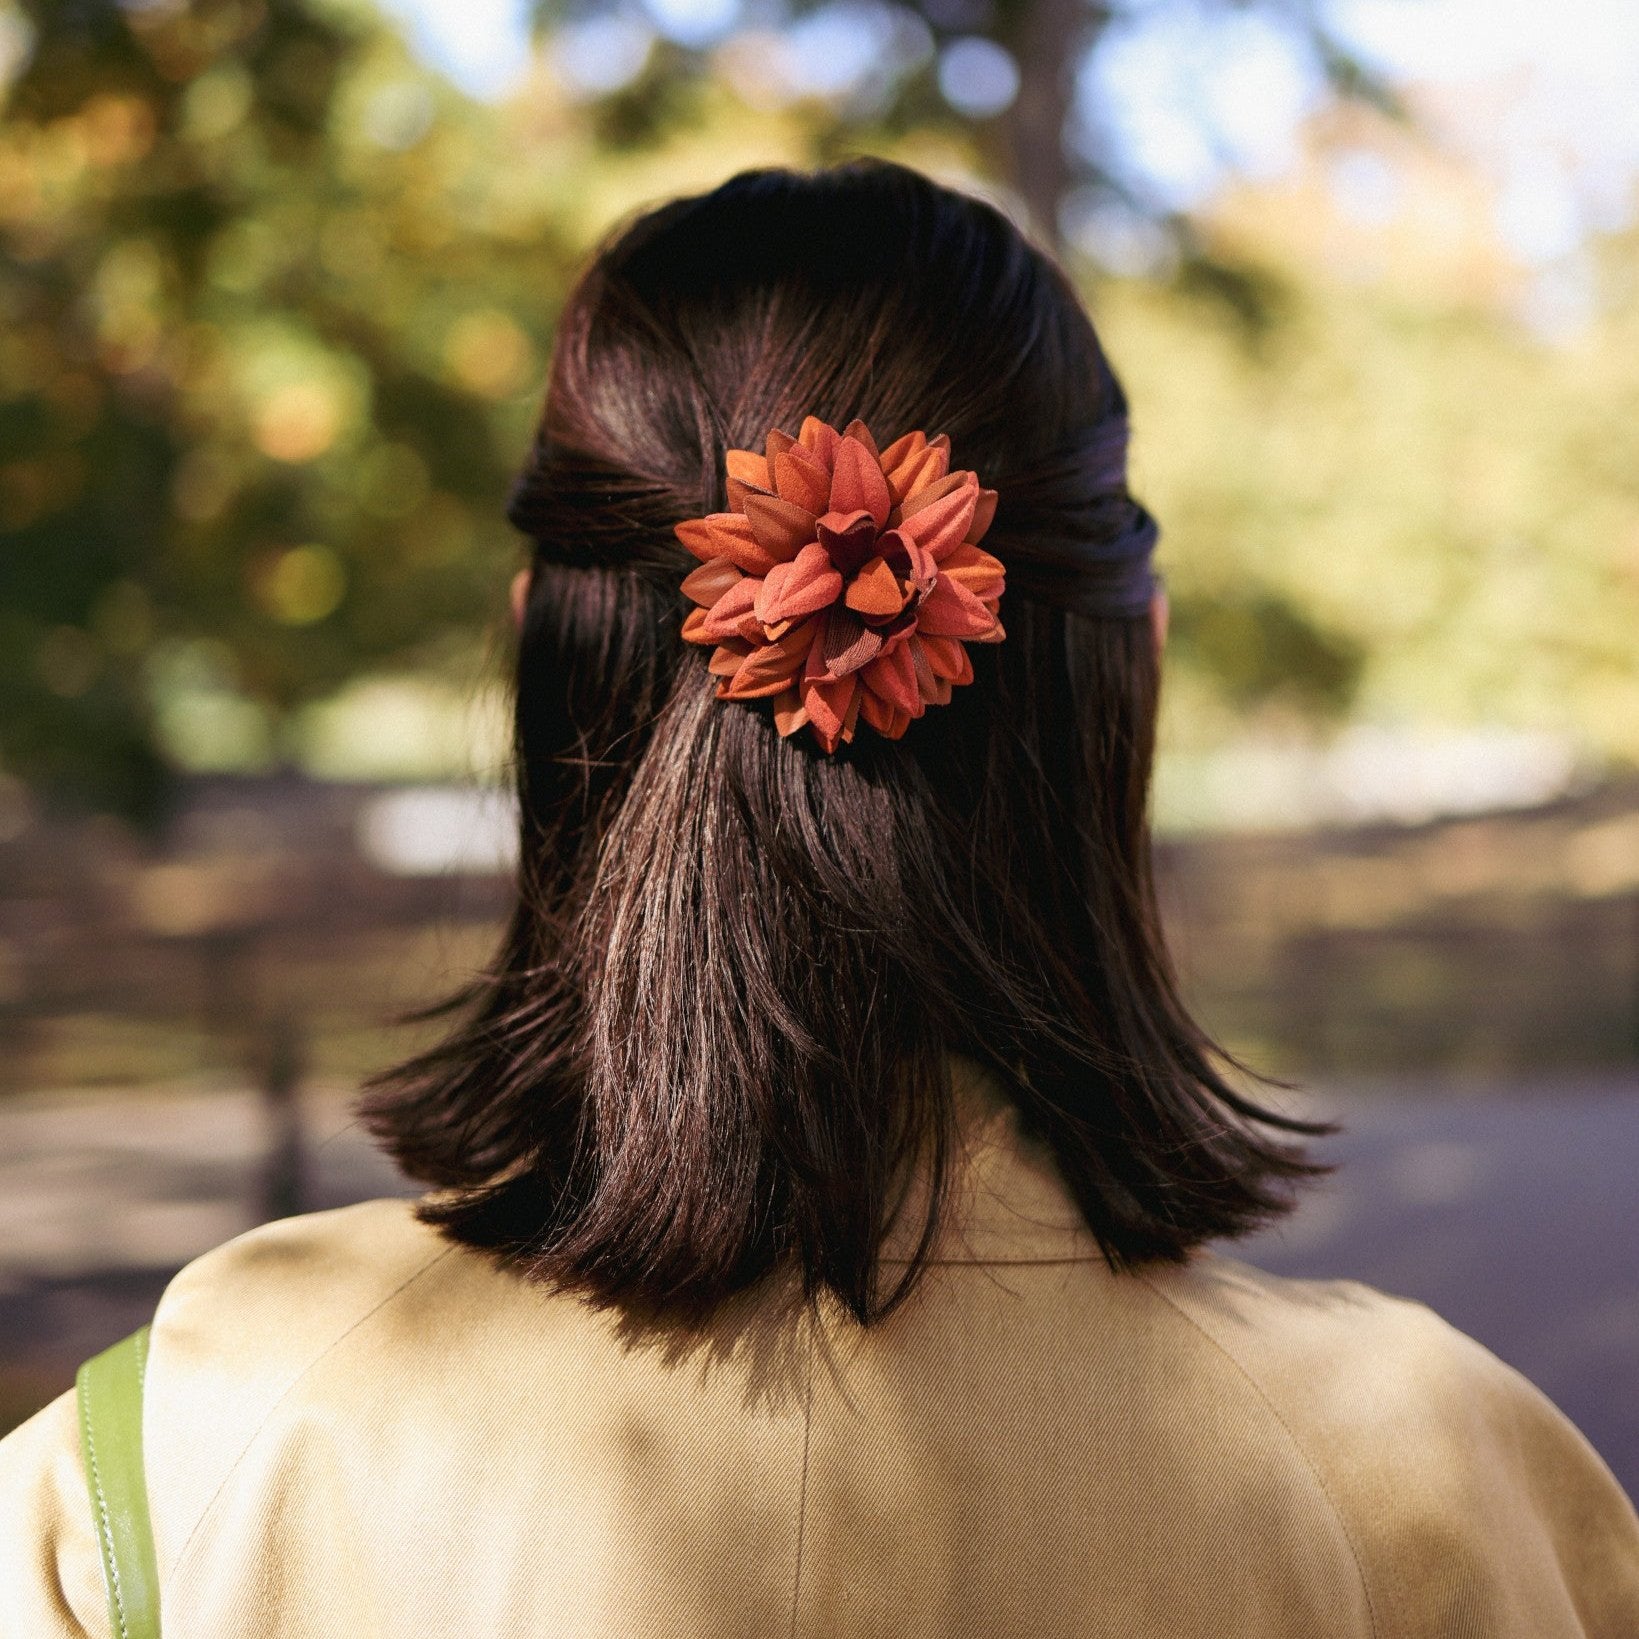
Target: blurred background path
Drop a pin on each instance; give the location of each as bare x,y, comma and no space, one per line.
1513,1215
184,1017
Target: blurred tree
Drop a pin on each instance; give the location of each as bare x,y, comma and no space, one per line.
1014,72
1402,504
268,339
275,302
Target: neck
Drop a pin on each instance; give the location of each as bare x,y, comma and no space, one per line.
1007,1199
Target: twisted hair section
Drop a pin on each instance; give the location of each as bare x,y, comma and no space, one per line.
1077,539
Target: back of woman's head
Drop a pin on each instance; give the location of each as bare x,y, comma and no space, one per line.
716,1035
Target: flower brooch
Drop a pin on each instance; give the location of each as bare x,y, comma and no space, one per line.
845,580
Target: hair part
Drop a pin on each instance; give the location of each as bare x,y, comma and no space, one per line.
715,1036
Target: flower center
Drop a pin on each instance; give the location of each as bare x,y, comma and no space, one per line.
849,539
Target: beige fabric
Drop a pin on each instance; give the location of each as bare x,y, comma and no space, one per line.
355,1430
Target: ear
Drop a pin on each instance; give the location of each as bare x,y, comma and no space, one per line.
519,597
1160,616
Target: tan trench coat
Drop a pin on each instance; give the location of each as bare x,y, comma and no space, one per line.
356,1430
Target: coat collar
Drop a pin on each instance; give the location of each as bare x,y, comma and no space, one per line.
1009,1202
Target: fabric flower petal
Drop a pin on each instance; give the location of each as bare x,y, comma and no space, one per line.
750,468
927,494
726,657
875,590
857,430
831,707
887,720
771,668
984,513
913,462
802,587
727,616
934,689
726,535
849,537
857,483
950,610
846,643
748,474
781,528
821,438
907,556
980,573
710,581
942,525
800,479
892,677
790,714
904,448
946,657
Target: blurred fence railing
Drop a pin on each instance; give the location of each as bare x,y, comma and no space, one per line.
1497,944
272,925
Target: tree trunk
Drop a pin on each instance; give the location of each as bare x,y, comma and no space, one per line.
1048,39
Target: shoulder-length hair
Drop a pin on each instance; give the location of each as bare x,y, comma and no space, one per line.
715,1037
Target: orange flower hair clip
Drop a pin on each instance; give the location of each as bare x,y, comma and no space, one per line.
845,581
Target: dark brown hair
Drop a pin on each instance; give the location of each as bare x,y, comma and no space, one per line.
715,1035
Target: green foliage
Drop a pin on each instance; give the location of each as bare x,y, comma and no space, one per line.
275,305
1407,507
1257,647
272,331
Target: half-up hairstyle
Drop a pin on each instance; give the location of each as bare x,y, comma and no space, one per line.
716,1034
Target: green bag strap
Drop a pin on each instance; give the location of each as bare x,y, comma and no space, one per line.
109,1391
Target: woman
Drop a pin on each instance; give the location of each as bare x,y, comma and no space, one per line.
823,1172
